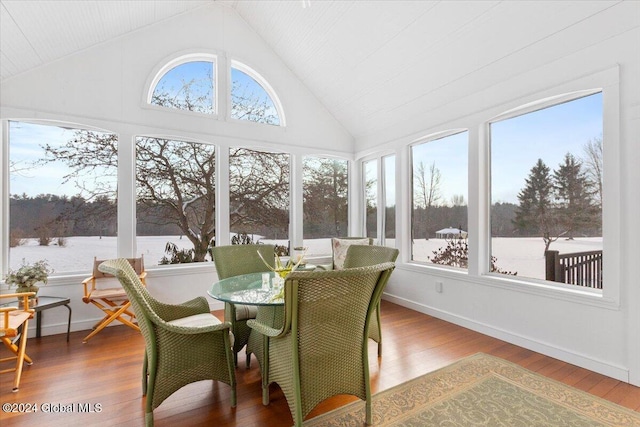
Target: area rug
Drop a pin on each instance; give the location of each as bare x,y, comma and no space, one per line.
482,390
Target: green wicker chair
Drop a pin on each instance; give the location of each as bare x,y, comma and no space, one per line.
234,260
321,349
184,343
362,256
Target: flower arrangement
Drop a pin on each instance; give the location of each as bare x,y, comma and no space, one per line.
283,269
29,274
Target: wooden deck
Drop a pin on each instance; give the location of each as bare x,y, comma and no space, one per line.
107,371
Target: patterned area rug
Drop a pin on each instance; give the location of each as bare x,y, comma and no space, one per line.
482,390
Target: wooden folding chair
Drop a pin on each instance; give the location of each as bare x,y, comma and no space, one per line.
112,301
15,322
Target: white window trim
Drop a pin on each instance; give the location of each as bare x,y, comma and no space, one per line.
607,82
408,247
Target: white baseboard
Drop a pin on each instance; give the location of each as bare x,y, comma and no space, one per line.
617,372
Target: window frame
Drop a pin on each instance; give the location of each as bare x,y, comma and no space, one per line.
442,134
607,82
5,195
249,71
167,65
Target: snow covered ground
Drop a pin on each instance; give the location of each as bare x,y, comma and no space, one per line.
524,255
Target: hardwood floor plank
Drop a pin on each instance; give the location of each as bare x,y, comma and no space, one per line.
107,370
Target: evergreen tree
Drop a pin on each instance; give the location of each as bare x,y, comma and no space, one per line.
574,196
535,214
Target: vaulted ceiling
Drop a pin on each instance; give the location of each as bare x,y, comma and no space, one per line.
373,64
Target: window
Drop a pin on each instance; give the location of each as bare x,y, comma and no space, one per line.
370,170
176,204
389,172
188,86
325,202
439,212
62,185
259,197
546,190
252,98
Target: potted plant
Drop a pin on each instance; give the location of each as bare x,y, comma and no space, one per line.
25,278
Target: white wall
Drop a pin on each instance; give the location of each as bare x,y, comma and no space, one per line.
105,87
598,333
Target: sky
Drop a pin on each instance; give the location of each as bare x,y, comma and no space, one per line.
516,145
450,156
549,134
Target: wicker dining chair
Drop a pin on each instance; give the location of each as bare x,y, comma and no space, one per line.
184,343
364,255
234,260
321,350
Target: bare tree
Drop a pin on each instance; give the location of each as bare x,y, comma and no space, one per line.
176,179
325,197
428,190
259,191
592,162
457,200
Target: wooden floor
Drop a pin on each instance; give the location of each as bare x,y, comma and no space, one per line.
106,374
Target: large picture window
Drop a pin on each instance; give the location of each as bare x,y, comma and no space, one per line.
439,208
259,197
546,193
176,204
62,185
325,202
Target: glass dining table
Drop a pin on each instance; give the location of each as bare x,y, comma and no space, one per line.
260,289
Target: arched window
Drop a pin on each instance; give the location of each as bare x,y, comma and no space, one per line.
252,98
186,83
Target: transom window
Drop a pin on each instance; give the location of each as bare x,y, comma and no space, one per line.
252,98
189,83
189,86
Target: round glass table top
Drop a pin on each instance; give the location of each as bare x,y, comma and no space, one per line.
248,289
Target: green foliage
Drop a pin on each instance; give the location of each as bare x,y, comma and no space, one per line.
29,274
574,196
456,254
178,256
562,203
535,215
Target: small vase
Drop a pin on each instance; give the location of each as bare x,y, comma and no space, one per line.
32,299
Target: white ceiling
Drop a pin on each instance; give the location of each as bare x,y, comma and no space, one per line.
373,64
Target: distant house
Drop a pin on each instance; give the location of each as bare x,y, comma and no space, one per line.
448,233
